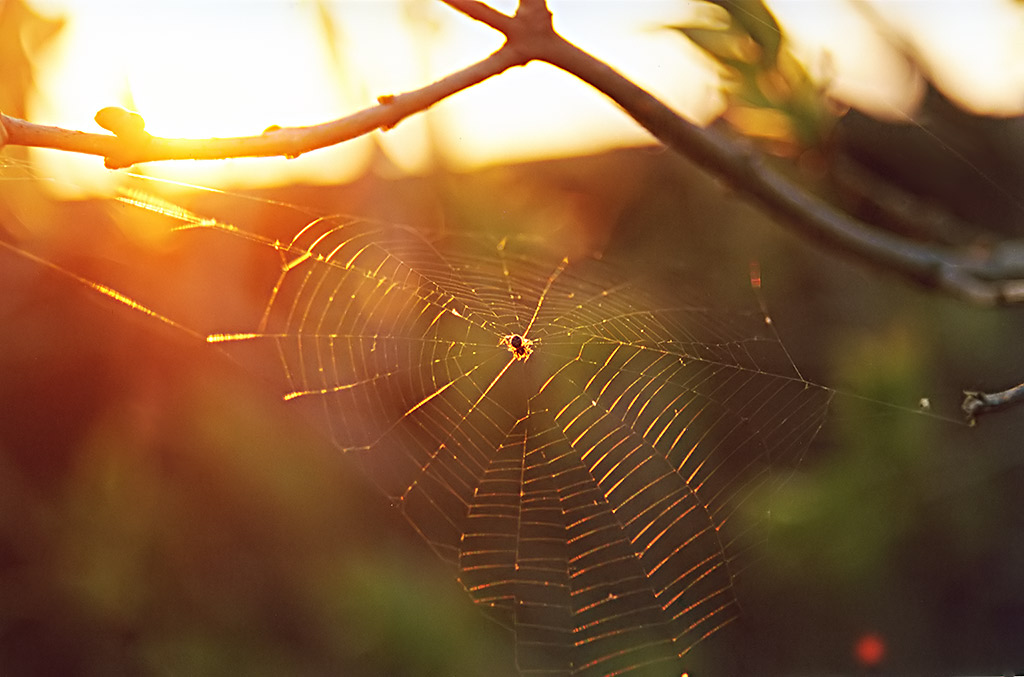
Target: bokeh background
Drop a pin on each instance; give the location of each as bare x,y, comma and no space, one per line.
163,511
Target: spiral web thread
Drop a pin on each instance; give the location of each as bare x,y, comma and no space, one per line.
591,493
600,496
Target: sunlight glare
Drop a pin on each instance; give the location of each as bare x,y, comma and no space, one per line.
219,68
847,56
201,69
193,70
541,112
972,51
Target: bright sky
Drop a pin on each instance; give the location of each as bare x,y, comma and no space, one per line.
201,68
973,50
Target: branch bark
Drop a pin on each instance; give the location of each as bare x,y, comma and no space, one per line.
484,14
977,403
131,145
985,277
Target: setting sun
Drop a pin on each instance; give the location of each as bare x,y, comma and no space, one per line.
503,337
201,70
197,71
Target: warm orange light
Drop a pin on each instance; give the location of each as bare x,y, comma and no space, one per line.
846,54
220,68
194,70
228,68
971,50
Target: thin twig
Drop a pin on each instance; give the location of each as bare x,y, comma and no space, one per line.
126,149
977,403
484,14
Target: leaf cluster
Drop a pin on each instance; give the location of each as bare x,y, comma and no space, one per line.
770,95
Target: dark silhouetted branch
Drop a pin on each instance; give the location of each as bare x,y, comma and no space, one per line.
484,14
903,211
978,403
985,278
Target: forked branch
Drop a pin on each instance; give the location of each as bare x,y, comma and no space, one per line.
987,277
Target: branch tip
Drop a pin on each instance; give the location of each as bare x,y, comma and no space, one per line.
976,402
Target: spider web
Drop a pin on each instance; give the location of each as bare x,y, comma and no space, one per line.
590,493
604,494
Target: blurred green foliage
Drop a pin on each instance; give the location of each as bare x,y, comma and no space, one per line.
769,94
163,512
184,523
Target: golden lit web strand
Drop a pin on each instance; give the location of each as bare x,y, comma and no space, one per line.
149,202
592,496
514,301
357,272
103,290
389,256
307,244
598,497
544,294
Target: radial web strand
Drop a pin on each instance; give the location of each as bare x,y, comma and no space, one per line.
591,492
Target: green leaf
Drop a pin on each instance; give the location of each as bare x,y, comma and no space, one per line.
727,46
753,18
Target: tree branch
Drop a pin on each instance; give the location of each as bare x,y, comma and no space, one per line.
986,277
901,210
484,14
130,144
977,403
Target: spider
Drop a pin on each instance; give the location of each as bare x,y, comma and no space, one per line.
520,347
